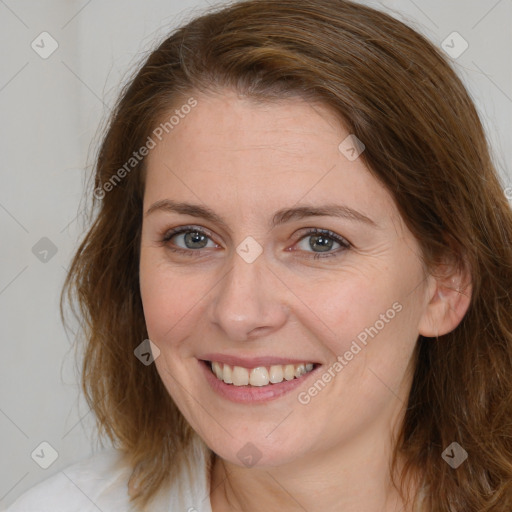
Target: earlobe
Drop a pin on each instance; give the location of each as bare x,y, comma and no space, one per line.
447,306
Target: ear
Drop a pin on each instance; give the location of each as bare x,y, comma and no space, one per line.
448,296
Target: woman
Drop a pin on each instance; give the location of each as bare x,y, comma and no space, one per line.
298,208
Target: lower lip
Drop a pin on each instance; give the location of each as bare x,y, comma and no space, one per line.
252,394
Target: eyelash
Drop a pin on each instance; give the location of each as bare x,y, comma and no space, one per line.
312,231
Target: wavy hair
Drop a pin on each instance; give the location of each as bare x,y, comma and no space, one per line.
424,140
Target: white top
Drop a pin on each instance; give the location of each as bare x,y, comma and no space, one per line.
100,484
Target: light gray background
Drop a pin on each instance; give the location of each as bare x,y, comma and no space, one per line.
50,113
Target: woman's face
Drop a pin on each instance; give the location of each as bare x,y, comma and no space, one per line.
293,254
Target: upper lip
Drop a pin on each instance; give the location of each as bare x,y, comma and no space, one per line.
252,362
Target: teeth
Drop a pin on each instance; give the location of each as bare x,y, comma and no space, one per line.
240,376
217,369
289,372
260,376
227,374
276,374
300,370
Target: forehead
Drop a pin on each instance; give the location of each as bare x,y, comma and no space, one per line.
233,151
226,122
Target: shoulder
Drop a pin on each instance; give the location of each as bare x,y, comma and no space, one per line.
100,483
83,486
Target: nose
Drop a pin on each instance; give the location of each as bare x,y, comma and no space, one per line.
249,301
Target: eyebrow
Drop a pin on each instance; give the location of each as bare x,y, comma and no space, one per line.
280,217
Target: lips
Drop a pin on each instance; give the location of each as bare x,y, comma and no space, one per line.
254,394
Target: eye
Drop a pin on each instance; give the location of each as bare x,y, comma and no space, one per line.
189,240
322,241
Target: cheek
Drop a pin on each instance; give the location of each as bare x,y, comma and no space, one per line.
169,298
338,308
368,318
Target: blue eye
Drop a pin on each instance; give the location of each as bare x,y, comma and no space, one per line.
324,239
195,238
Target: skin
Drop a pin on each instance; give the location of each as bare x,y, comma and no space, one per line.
246,160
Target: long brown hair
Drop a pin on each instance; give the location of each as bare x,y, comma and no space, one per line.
424,141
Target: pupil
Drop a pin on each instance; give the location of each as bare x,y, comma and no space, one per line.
323,242
194,237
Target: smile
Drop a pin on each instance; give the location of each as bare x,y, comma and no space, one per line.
259,376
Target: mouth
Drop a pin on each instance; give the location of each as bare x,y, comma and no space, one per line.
259,376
